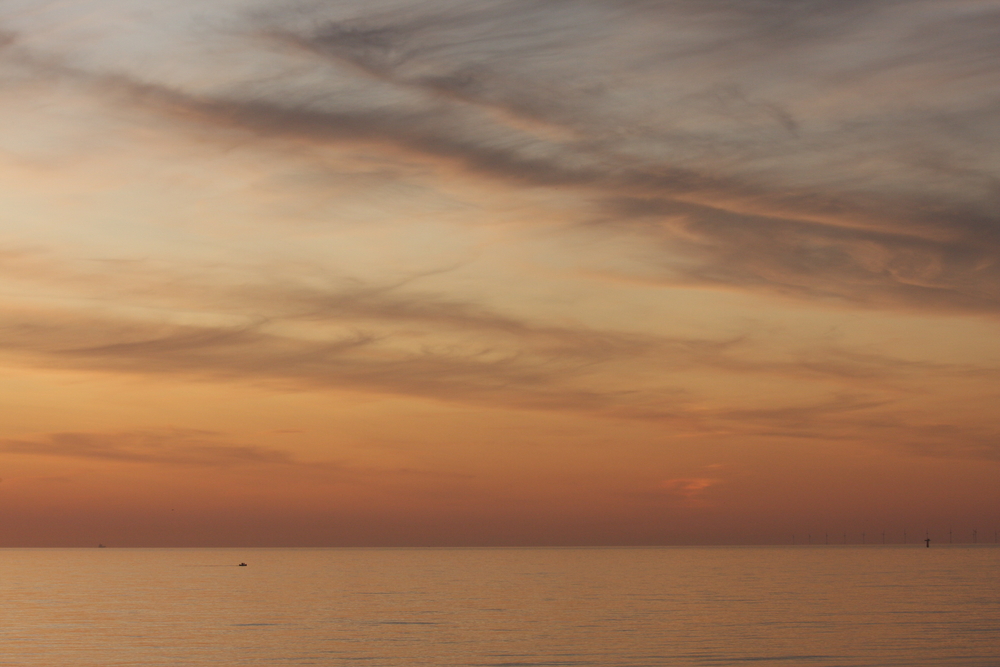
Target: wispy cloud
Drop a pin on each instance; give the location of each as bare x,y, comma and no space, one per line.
468,355
176,447
776,146
831,152
804,259
207,450
689,491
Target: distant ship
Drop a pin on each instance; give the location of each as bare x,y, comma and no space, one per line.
101,546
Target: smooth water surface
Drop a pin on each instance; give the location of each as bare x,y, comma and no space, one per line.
501,607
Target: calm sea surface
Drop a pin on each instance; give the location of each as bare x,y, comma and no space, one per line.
511,607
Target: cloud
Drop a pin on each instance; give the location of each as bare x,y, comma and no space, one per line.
803,259
465,354
951,441
776,146
397,343
175,447
689,491
195,448
396,338
832,152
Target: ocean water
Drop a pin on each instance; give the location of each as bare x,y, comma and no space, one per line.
803,605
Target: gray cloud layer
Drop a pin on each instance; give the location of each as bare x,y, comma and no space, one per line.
836,149
833,149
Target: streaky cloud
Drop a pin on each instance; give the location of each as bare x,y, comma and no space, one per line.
177,447
869,200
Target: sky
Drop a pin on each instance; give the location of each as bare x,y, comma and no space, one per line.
498,273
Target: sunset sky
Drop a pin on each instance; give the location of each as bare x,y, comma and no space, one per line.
513,272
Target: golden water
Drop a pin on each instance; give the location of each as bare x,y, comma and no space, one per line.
512,607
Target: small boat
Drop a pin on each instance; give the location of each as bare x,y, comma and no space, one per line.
243,564
101,546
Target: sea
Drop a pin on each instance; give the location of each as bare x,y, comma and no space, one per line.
502,607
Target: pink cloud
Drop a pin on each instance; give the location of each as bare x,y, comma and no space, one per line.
689,489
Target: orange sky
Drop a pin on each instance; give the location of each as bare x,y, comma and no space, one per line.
517,272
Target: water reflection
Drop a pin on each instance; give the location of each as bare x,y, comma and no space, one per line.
387,607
